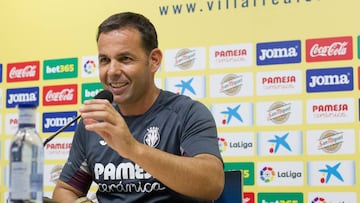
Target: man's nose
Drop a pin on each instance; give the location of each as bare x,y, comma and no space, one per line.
114,68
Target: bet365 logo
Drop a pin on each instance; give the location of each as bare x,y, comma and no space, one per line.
281,197
60,68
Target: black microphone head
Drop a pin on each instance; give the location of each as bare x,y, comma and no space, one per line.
105,94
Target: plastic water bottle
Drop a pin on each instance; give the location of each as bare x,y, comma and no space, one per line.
26,159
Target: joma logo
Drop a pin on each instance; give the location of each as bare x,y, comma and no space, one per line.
22,97
329,80
278,53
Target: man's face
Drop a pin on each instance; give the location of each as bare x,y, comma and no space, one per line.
124,65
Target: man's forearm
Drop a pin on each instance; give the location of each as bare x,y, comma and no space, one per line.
64,193
200,177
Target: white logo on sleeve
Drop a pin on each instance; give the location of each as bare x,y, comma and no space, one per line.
102,142
152,137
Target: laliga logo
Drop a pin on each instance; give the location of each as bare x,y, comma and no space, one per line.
90,66
185,58
231,84
267,174
222,144
318,200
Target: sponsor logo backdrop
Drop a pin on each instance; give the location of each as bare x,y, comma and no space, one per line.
280,77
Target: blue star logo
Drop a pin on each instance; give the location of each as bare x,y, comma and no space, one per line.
232,112
186,85
280,141
332,171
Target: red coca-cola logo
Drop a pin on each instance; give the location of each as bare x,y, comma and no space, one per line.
249,197
329,49
60,95
24,71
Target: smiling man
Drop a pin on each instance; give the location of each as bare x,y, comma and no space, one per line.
149,145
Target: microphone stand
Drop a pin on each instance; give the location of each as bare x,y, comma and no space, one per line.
60,130
104,94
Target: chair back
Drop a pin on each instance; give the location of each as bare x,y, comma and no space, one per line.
233,188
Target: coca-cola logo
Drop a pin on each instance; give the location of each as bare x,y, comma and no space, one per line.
329,49
334,49
60,95
64,95
25,71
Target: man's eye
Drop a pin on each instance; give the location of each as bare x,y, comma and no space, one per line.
103,60
125,59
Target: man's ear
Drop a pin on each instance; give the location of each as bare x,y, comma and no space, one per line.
155,59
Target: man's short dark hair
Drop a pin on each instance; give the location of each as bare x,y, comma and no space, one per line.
133,20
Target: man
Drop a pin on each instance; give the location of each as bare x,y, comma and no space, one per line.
151,145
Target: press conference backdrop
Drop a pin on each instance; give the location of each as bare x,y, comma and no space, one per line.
281,78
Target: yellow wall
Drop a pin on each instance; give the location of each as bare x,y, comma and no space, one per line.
41,30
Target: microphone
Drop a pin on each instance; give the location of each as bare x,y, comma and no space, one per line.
104,94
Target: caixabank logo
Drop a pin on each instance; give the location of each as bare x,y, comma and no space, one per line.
193,87
281,197
233,114
282,52
329,79
279,143
15,96
331,173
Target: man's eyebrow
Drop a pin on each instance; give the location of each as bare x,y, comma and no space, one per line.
126,53
123,54
101,55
